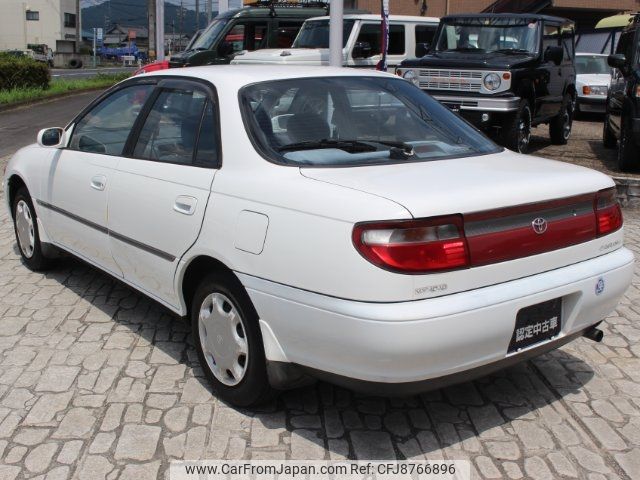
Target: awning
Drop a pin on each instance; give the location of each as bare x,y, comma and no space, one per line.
616,21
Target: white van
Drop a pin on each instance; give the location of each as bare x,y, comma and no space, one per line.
408,37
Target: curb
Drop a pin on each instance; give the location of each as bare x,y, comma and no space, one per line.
628,191
58,96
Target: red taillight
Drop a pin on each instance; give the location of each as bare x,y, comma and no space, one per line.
608,212
414,246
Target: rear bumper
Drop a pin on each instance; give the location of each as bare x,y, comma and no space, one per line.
421,341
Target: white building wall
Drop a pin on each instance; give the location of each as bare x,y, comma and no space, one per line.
16,31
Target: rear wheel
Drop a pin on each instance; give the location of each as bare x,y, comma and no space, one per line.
560,126
627,150
229,342
25,224
608,138
516,133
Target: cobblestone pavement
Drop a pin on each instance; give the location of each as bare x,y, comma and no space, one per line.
97,381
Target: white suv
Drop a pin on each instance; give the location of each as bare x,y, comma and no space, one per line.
323,222
409,37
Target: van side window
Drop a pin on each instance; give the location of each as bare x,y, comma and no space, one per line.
550,37
372,33
247,36
106,127
424,35
170,131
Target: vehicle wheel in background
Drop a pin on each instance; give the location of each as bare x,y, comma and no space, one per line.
516,133
628,151
228,340
608,139
560,125
25,225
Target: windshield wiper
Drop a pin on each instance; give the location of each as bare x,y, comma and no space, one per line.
353,146
512,50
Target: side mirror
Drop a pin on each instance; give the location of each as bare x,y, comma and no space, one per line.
618,61
225,49
361,50
51,137
422,49
554,54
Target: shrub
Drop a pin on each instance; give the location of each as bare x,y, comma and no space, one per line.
22,72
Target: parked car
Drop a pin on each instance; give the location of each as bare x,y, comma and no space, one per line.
408,37
622,120
326,223
152,67
249,28
505,73
593,77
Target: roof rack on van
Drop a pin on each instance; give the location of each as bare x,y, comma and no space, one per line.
272,4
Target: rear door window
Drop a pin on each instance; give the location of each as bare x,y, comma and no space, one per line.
247,36
424,35
371,33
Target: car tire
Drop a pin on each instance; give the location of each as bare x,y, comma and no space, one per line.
608,138
516,133
628,151
560,125
25,227
228,340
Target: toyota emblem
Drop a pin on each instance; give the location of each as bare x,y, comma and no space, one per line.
539,225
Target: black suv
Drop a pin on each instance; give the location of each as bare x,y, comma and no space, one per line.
264,25
505,73
622,121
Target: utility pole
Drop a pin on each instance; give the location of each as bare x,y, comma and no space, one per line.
336,9
151,13
78,36
160,29
208,12
181,19
197,14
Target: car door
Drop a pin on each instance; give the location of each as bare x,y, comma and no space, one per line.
618,83
159,193
79,180
551,82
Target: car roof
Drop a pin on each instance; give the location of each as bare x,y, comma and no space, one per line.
376,18
548,18
237,76
303,12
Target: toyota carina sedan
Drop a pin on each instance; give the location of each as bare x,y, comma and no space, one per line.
324,223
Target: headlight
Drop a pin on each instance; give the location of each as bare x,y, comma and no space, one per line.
595,89
411,76
492,81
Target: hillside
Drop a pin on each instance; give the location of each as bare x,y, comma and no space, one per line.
134,13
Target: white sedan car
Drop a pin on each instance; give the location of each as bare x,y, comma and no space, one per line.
593,79
323,223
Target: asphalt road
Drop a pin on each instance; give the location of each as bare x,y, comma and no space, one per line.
20,126
88,72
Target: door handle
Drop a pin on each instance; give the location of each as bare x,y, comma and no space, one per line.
98,182
185,204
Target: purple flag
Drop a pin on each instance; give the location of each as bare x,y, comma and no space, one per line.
384,27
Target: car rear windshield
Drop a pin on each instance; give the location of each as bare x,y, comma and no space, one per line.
350,121
315,34
485,35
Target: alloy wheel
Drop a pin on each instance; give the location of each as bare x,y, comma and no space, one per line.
25,228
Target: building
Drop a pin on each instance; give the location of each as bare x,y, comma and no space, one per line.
118,35
37,22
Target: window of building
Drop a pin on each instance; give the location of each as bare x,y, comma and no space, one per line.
33,15
70,20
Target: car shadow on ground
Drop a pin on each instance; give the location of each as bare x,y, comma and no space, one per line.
322,416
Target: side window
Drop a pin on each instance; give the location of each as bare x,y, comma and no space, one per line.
371,33
170,131
207,150
247,36
567,43
424,35
105,128
551,37
284,34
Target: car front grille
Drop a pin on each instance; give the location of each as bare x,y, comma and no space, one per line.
457,80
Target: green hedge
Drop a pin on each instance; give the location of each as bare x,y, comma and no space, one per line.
22,72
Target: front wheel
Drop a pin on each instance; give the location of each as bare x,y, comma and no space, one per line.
628,152
25,225
516,133
560,126
229,342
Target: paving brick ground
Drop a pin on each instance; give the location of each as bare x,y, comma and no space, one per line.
97,381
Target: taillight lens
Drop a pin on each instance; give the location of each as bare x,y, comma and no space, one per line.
414,246
608,212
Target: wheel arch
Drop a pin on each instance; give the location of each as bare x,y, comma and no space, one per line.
14,183
528,92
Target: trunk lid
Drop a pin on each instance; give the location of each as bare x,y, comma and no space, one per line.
286,56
